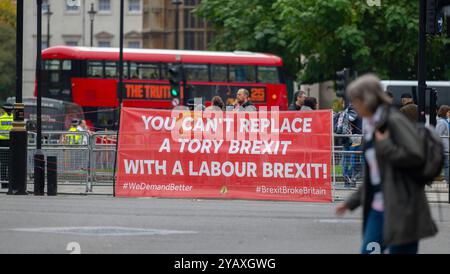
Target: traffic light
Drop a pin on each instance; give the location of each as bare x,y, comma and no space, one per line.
436,9
343,77
433,105
176,78
433,17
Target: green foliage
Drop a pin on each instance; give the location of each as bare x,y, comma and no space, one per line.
329,34
8,12
7,61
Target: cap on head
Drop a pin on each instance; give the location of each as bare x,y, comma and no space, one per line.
406,95
75,122
8,107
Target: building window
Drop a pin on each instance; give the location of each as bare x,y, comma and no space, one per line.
189,40
45,6
104,44
191,3
72,43
134,5
104,5
134,45
44,44
72,8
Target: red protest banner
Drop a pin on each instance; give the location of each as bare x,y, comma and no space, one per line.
232,155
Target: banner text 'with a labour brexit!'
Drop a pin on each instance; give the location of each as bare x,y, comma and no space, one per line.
267,155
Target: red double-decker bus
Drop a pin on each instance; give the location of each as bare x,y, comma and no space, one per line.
89,77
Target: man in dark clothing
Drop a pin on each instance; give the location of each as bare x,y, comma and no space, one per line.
299,100
243,102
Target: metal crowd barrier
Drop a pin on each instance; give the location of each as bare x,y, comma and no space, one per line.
90,162
72,156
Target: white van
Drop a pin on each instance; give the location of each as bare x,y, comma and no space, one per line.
399,87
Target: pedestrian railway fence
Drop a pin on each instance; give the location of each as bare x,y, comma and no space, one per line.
89,162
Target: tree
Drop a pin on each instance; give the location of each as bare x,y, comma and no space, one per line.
7,49
329,35
8,12
7,61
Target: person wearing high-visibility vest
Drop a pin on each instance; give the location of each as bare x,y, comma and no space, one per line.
73,139
6,121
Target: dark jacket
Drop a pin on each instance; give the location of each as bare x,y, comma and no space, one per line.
294,106
248,106
407,216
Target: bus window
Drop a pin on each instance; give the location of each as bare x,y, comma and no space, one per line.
242,74
194,72
95,69
52,68
67,65
268,75
219,73
133,70
111,70
51,64
148,71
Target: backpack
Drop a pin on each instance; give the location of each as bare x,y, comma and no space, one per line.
434,156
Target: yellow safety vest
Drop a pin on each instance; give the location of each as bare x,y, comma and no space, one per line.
73,139
6,121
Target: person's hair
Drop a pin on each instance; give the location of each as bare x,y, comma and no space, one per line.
246,92
297,94
217,101
406,95
310,102
442,112
369,91
411,111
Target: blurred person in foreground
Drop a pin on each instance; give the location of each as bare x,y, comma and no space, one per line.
396,214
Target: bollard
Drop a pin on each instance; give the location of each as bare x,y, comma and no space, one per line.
39,174
52,176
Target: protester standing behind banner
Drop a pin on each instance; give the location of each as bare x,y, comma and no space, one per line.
243,102
396,214
217,104
310,104
299,100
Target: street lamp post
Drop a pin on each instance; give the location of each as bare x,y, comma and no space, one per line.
39,160
18,135
177,4
120,87
92,12
421,71
48,13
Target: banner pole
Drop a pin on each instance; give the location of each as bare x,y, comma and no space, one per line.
333,159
